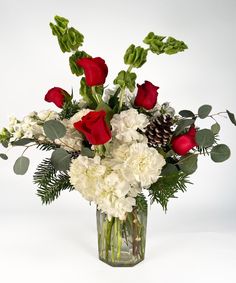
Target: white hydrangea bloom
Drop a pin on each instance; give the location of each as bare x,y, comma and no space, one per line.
86,174
126,124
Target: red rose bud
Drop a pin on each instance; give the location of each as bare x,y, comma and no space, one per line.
146,96
56,95
95,70
183,143
94,127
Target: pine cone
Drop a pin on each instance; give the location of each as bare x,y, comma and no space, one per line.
159,131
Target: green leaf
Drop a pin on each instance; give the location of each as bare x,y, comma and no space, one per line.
220,153
205,138
186,113
188,163
215,128
126,79
135,56
75,69
204,111
182,124
54,129
22,142
21,165
85,151
61,159
3,156
231,117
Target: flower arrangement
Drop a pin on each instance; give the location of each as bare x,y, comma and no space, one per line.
117,145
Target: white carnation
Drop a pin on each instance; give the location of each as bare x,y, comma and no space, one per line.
86,174
126,124
112,196
145,164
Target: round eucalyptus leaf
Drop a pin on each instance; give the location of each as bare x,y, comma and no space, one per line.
21,165
3,156
61,159
205,138
220,153
182,124
54,129
85,151
188,163
169,169
215,128
186,113
204,111
22,142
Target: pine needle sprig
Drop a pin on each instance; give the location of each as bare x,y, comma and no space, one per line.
70,108
50,182
47,146
141,202
167,186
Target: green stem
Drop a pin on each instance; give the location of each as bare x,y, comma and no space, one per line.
119,238
122,95
96,96
108,235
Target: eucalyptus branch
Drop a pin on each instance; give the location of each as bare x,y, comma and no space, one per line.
67,144
27,147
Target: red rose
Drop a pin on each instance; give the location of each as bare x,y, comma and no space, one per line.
94,127
146,96
183,143
95,70
56,95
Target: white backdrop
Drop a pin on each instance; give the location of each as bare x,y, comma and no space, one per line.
196,240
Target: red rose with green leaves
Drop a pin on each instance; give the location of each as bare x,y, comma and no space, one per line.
182,144
57,95
95,70
146,96
94,127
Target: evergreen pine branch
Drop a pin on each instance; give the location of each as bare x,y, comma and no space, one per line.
49,182
141,202
167,186
70,108
47,146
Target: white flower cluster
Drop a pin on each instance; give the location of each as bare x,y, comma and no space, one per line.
31,126
113,182
72,141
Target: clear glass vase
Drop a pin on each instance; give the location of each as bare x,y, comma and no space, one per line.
122,242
